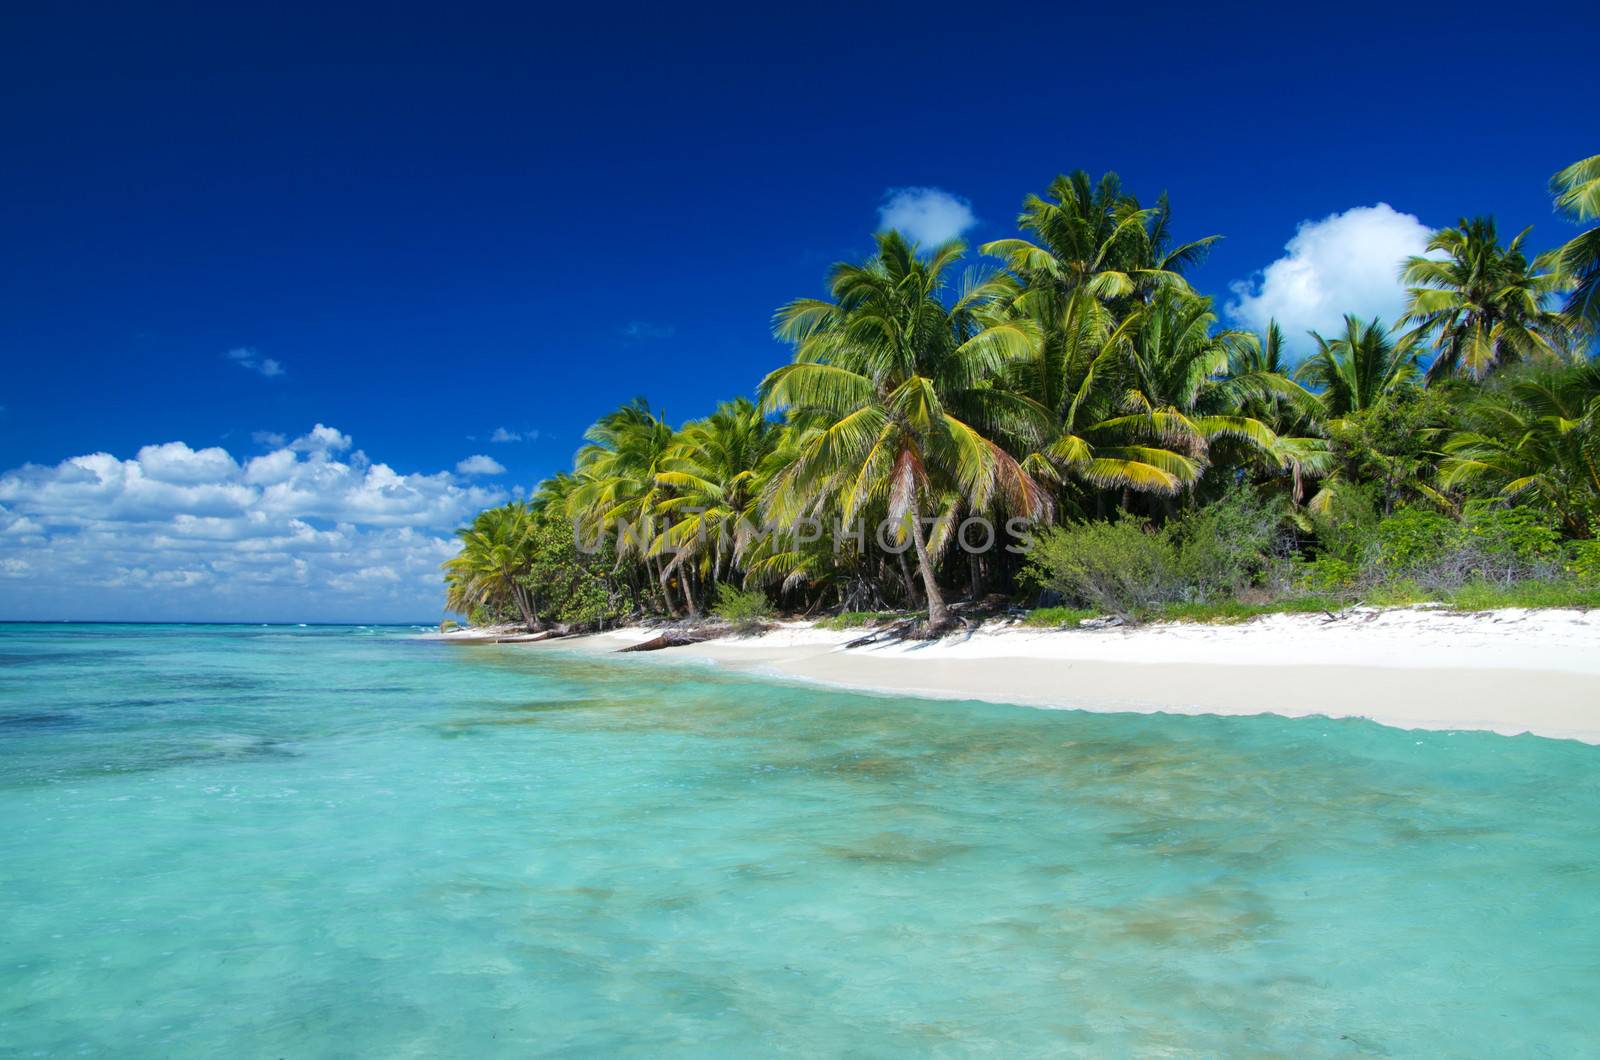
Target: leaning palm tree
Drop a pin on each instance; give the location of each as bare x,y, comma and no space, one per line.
904,385
495,554
1482,305
1577,190
1359,369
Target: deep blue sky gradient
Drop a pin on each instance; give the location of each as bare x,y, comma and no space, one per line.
442,222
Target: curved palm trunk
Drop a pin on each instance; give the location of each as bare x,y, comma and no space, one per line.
905,576
938,617
688,594
520,595
666,591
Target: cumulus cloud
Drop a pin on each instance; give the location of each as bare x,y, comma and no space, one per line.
248,358
301,532
478,464
502,434
1345,263
321,439
926,216
269,438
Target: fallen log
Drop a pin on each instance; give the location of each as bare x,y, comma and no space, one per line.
675,638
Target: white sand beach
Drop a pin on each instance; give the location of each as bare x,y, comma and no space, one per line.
1508,672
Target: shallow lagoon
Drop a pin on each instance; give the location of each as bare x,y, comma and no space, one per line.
336,841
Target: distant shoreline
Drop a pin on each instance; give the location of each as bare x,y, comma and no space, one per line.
1509,672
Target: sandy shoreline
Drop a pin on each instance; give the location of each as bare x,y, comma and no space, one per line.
1508,671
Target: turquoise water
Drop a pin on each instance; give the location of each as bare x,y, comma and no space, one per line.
234,841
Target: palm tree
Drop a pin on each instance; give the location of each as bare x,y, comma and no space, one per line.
1170,373
1359,369
1482,305
1096,238
1095,258
495,554
1577,190
904,386
1093,437
617,490
1536,439
713,474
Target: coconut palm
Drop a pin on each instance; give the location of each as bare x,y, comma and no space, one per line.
712,472
1095,238
903,384
1094,258
617,491
1537,439
1093,440
1482,305
1179,385
495,554
1577,190
1359,369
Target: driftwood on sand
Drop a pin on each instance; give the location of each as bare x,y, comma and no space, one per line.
676,638
506,638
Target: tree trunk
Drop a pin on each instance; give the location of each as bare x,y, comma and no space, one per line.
660,573
684,574
520,596
938,617
905,576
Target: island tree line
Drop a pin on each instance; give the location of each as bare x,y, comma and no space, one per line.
1083,389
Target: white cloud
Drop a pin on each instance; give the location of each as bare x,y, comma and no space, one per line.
298,533
176,462
269,438
321,439
1345,263
502,435
479,464
926,216
248,358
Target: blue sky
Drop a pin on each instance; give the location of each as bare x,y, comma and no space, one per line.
226,228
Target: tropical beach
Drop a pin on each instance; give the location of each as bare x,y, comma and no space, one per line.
865,531
1508,672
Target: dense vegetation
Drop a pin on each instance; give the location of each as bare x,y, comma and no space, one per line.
1083,404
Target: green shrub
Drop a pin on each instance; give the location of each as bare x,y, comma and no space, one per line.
1229,546
1328,574
1517,538
1435,552
1583,562
1413,539
742,607
1120,568
1344,521
1128,570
